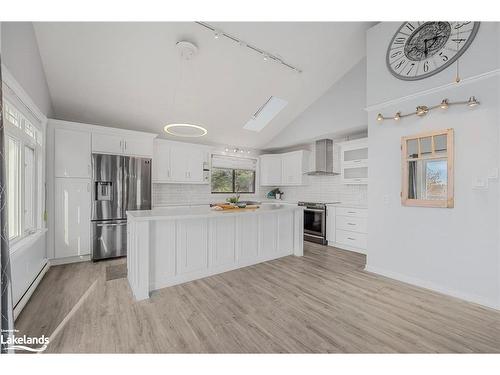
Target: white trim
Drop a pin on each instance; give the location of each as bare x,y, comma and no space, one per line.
342,246
464,81
27,240
27,295
98,128
9,81
434,287
67,260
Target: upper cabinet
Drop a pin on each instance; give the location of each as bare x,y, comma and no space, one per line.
176,162
354,161
286,169
118,144
72,153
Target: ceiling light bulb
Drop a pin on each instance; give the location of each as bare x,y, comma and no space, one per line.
235,150
241,151
227,150
380,117
397,116
248,151
444,104
472,101
265,57
217,34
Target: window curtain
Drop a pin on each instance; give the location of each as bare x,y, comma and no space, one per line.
412,180
7,322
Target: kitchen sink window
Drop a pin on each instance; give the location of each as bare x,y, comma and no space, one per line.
232,174
24,152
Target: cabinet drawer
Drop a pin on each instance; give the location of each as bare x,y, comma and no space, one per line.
351,238
352,223
347,211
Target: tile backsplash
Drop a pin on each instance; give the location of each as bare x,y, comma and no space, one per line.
327,189
319,189
168,194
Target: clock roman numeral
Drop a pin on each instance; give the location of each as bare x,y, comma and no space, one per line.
410,27
399,40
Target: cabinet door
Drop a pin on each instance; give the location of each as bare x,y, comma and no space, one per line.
292,168
107,143
270,170
179,157
72,153
72,217
138,146
161,162
195,165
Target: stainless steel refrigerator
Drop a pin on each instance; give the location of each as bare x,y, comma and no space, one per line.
120,184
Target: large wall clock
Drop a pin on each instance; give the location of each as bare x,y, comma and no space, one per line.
421,49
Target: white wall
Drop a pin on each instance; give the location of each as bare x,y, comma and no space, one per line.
340,111
21,56
455,251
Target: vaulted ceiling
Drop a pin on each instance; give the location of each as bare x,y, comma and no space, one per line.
130,75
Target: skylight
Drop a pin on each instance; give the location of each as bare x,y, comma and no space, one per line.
265,114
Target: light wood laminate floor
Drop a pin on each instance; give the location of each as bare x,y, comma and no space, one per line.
322,302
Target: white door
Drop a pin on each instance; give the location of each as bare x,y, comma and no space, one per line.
72,153
72,217
195,165
179,157
138,146
270,170
107,143
161,162
292,168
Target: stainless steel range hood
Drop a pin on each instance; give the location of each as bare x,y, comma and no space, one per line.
323,159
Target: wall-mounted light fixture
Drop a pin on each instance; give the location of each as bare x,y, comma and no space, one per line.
423,110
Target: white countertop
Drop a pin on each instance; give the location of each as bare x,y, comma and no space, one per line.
202,211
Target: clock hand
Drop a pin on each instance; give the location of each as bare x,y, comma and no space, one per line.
425,48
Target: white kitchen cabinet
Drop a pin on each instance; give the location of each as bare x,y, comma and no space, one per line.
107,143
270,170
72,153
354,162
294,166
192,246
175,162
347,228
287,169
72,217
120,144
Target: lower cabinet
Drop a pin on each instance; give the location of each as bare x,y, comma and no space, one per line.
192,246
72,217
347,228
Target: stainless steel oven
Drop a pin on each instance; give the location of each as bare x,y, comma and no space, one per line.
314,222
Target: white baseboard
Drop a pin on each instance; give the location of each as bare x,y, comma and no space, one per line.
26,296
59,261
347,247
434,287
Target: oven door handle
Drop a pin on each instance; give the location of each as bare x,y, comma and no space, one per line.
314,210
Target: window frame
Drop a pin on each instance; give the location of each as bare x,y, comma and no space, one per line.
233,174
449,156
18,133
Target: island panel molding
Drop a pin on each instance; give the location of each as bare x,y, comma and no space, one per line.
170,246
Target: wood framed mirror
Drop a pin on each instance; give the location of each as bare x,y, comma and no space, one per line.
427,169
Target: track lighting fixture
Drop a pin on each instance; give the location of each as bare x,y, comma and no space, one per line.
423,110
219,34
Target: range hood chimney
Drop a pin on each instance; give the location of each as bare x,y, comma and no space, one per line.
323,159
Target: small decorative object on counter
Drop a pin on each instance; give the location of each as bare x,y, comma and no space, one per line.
275,194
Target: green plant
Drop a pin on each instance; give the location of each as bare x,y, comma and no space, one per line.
233,199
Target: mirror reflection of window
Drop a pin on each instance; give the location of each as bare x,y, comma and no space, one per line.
428,169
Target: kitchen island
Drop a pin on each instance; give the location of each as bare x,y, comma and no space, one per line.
169,246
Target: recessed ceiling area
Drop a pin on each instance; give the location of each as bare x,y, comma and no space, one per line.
131,76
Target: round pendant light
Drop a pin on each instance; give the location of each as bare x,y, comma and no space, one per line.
185,130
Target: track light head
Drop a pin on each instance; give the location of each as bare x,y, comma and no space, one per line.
422,110
444,104
472,102
380,117
397,116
